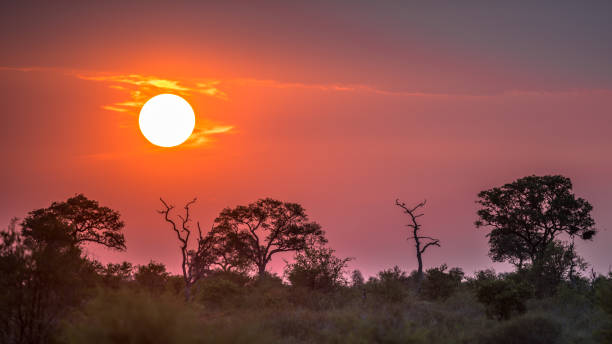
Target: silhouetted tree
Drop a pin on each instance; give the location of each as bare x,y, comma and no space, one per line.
440,284
152,276
266,227
413,214
317,268
115,275
85,221
195,264
223,253
527,216
43,271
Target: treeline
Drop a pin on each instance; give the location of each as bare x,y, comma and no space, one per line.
53,292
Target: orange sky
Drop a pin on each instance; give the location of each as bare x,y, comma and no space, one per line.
341,109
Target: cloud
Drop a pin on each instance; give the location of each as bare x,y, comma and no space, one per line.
140,88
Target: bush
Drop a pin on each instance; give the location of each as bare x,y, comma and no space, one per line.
530,329
317,269
129,317
603,296
439,284
218,292
390,285
503,297
152,277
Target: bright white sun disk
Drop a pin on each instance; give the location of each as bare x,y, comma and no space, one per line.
166,120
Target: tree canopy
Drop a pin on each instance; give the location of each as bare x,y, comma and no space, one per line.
84,219
266,227
529,214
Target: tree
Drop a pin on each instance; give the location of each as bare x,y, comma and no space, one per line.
195,264
267,227
317,268
439,284
420,247
43,271
502,296
527,217
85,219
152,276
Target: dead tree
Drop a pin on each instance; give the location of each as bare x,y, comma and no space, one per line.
414,214
192,264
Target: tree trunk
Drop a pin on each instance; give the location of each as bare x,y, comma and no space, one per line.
187,292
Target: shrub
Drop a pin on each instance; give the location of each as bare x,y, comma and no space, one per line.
218,292
503,297
317,269
603,296
439,284
390,285
529,329
126,316
152,277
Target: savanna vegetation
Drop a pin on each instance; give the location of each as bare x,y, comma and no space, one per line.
52,292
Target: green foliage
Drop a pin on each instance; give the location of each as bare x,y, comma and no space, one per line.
266,227
391,285
502,297
439,284
84,219
115,276
221,290
603,294
529,329
527,215
43,276
317,268
152,277
125,316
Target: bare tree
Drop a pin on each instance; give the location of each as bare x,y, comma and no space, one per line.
194,263
414,214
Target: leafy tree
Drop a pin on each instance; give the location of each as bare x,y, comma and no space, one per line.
44,273
502,296
223,253
527,217
85,220
42,277
267,227
421,242
390,284
603,296
317,268
439,284
357,279
115,275
152,276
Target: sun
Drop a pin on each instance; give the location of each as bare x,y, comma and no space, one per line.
166,120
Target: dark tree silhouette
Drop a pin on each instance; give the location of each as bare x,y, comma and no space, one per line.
44,273
528,215
85,220
194,264
317,268
266,227
413,214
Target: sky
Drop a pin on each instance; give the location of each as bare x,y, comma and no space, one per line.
340,106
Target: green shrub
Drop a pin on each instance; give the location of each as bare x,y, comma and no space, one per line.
439,284
503,297
129,317
529,329
603,296
218,292
391,285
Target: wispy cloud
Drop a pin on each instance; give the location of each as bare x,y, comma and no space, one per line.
140,88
